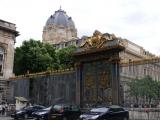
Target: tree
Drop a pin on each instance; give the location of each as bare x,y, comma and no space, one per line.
148,88
144,88
65,58
133,88
157,90
34,56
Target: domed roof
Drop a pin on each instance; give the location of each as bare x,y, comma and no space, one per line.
60,18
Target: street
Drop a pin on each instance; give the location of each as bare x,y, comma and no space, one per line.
5,118
8,118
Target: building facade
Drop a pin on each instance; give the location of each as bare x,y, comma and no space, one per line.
132,69
59,28
8,35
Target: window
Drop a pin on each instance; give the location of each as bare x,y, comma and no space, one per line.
130,66
75,108
1,59
144,71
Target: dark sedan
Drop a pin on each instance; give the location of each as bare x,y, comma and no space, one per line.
26,112
41,114
64,112
106,113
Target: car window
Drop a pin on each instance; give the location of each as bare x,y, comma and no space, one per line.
57,107
29,108
40,107
67,107
101,110
116,109
120,109
74,108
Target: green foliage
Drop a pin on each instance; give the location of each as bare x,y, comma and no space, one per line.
144,88
133,88
65,58
35,56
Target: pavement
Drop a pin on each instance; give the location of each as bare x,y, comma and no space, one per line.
5,118
8,118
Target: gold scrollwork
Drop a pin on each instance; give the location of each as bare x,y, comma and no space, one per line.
89,81
104,80
97,39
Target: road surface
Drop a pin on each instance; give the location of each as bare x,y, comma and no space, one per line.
9,118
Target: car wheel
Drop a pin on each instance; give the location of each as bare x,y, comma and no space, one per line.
125,118
25,116
64,118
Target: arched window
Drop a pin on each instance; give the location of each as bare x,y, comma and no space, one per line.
1,60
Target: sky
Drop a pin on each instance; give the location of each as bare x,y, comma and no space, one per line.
135,20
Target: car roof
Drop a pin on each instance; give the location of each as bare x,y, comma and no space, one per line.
100,109
104,106
65,104
115,106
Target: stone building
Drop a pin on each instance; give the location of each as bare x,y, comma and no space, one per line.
132,70
59,28
8,36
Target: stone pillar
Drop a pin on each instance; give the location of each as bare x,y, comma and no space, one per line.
115,82
78,82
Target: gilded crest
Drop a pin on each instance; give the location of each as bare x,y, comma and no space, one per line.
97,40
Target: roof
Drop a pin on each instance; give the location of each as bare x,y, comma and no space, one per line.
21,99
60,18
10,27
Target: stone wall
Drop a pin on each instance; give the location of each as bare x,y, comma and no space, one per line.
19,88
46,90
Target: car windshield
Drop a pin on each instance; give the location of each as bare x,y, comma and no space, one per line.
57,107
28,108
47,108
101,110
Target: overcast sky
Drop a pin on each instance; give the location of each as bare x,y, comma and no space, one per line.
135,20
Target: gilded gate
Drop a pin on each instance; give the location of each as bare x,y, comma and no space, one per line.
96,82
97,70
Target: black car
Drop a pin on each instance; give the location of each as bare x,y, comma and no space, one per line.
26,112
41,114
106,113
64,112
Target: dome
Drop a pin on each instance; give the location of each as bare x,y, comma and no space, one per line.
60,18
59,28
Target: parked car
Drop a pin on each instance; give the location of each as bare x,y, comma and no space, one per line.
26,112
64,112
41,114
113,112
